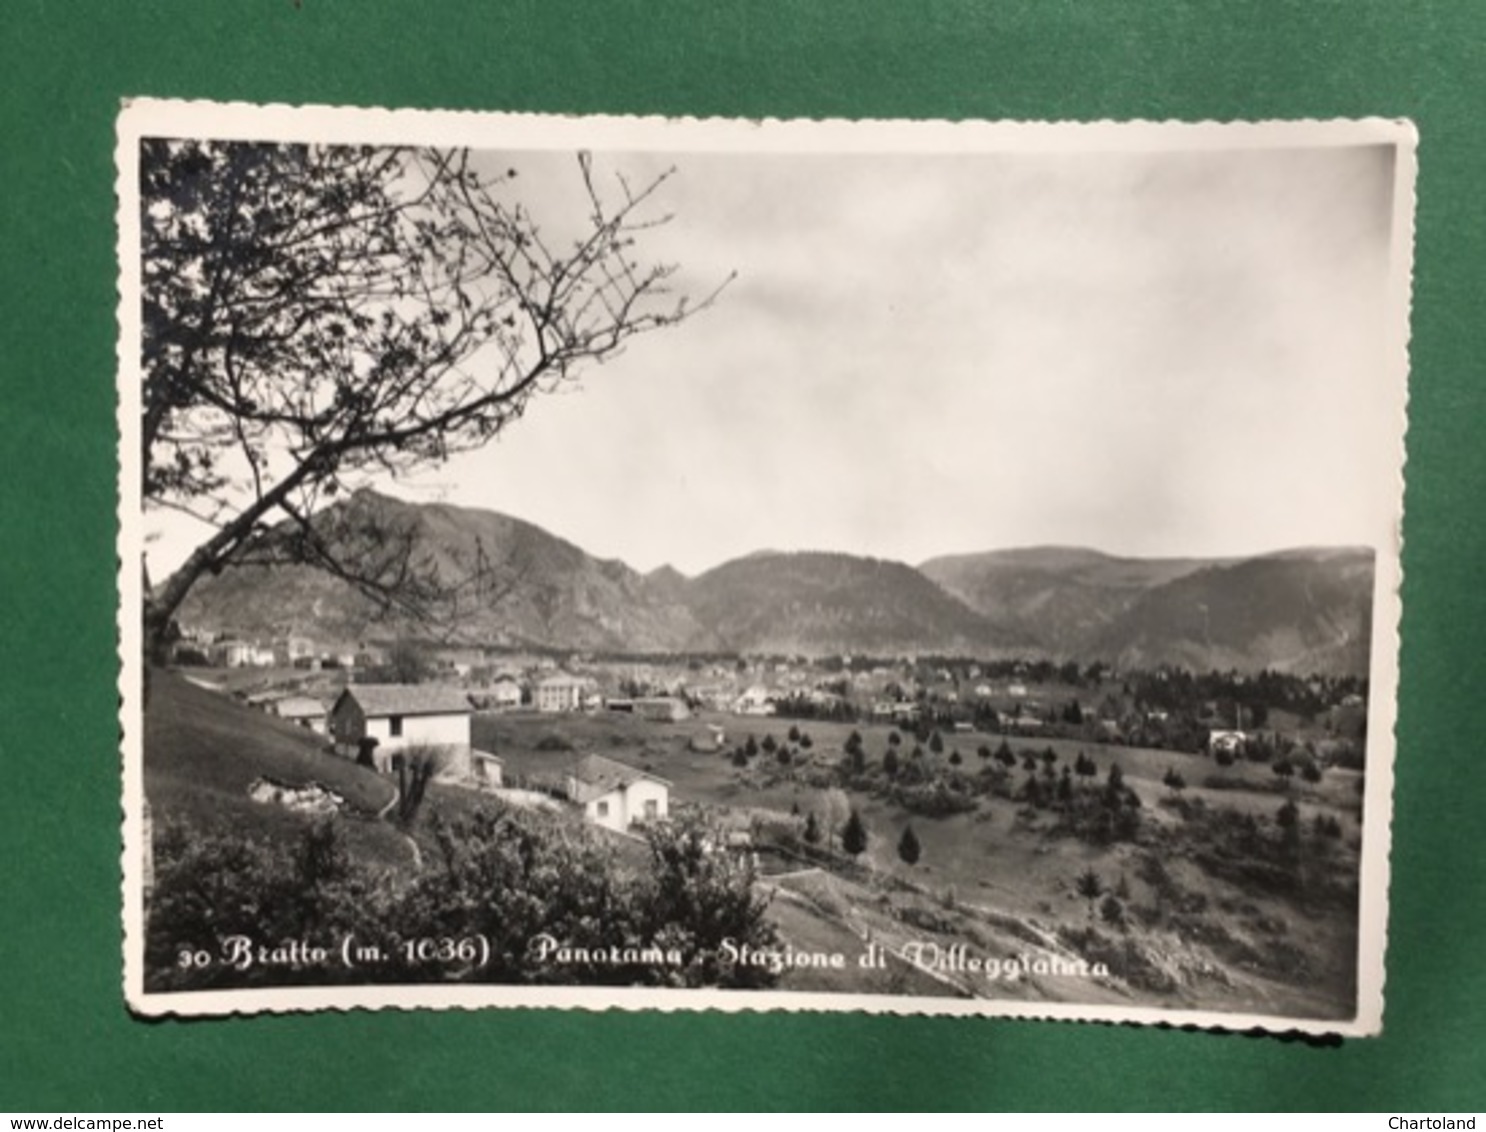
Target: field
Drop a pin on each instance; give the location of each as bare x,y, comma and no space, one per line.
1002,876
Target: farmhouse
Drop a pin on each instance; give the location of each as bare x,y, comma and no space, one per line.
615,795
399,716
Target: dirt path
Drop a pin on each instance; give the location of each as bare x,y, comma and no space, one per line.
412,845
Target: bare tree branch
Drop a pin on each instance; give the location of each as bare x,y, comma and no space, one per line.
315,313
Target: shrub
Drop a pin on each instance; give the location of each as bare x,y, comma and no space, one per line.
507,876
1124,957
935,799
909,849
854,835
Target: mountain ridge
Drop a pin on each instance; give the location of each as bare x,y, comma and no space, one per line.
1303,609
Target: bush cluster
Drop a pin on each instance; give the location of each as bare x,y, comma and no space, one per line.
508,876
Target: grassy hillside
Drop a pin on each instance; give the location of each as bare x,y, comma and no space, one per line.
1206,926
203,750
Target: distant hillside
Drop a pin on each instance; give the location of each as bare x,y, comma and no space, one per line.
816,603
534,589
1057,599
1306,610
1298,611
1301,610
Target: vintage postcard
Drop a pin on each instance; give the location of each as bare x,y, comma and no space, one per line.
885,566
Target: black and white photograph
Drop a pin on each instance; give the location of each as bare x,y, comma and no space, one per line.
910,567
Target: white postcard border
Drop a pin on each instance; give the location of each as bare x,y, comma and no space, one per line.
149,117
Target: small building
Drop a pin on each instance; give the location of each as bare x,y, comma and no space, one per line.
661,709
400,716
1226,742
755,701
233,654
501,695
487,769
303,710
615,795
293,649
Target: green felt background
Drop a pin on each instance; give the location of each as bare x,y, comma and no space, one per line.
66,1041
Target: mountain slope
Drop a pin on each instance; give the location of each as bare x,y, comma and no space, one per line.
817,603
1298,611
1058,599
518,585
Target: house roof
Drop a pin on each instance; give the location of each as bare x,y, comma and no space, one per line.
409,699
595,776
299,706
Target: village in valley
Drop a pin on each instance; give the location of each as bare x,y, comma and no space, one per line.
1194,837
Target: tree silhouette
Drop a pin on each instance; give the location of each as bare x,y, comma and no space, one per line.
854,835
316,316
908,846
1090,887
812,829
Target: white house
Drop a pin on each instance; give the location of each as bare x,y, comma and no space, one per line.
1228,742
755,701
615,795
233,654
501,694
292,649
560,692
399,716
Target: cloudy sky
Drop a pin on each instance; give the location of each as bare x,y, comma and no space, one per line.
1150,353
